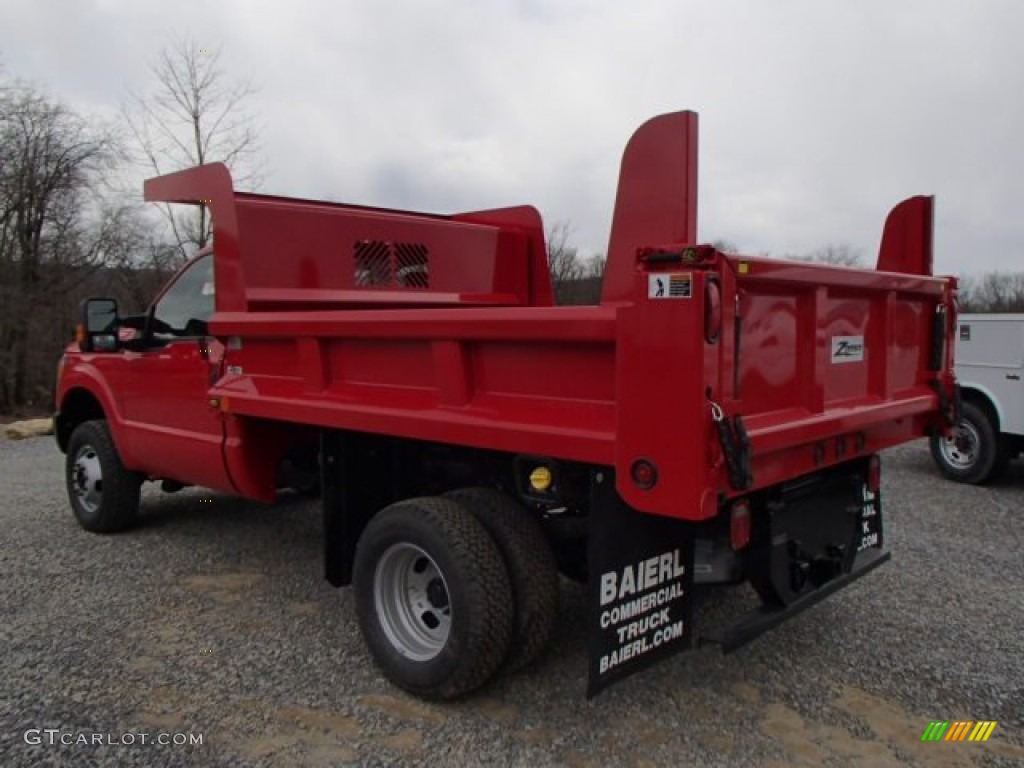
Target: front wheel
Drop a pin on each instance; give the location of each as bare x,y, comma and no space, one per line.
433,597
104,495
974,452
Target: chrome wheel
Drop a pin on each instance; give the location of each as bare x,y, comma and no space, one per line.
87,478
412,604
960,449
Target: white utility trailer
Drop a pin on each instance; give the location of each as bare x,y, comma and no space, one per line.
990,369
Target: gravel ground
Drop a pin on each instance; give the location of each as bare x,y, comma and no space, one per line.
211,618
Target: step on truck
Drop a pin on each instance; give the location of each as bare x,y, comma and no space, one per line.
716,418
990,371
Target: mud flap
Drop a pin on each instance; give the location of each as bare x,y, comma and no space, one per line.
356,480
641,581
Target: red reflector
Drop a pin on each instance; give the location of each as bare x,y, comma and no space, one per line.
644,474
739,525
875,474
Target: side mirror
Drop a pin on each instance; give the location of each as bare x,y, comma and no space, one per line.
97,327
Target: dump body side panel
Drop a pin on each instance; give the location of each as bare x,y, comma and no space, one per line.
527,380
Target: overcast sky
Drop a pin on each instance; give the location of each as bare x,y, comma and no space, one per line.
816,116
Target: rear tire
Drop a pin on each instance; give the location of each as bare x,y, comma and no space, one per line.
433,597
974,452
104,495
531,566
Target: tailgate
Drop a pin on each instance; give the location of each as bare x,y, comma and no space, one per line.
826,358
800,366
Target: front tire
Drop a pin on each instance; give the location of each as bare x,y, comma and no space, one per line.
433,598
974,452
104,495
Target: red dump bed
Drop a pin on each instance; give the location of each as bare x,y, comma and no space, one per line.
442,328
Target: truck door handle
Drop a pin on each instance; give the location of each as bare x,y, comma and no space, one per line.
1013,376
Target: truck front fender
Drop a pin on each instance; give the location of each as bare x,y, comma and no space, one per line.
80,385
972,391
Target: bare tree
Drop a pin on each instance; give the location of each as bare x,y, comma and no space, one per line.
838,254
51,234
725,246
563,258
992,292
593,266
576,279
967,294
192,115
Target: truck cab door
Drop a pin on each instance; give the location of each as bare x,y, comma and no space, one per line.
173,430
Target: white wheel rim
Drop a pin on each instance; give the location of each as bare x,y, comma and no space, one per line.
960,449
87,478
412,602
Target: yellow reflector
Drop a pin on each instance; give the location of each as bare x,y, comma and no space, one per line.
744,267
540,479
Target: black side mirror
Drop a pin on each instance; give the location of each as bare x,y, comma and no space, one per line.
98,326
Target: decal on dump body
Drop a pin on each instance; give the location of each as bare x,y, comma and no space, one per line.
641,570
670,285
847,349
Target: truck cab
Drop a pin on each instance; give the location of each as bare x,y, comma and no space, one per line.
155,382
148,377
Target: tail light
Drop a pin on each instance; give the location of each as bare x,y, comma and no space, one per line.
739,525
875,473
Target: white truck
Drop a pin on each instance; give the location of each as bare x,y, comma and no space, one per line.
990,369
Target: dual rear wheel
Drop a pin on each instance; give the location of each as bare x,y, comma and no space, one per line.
451,589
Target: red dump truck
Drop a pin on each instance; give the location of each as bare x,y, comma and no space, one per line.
715,419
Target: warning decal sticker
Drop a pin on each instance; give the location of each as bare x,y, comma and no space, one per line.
669,285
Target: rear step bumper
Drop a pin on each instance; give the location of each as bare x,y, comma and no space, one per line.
760,620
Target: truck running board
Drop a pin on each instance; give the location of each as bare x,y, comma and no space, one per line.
760,620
